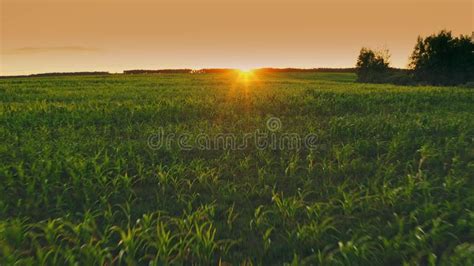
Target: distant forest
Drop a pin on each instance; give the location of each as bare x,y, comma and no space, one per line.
55,74
226,70
186,70
157,71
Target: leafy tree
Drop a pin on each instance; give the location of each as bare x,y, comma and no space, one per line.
372,65
442,59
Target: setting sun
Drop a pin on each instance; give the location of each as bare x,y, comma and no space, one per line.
245,70
245,75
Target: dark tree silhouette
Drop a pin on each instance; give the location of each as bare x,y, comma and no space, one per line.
442,59
372,65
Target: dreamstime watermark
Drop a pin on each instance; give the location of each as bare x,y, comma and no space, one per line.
271,138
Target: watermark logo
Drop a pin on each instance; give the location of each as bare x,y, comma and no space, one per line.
271,138
273,124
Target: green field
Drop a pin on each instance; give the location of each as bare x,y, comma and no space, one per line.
389,181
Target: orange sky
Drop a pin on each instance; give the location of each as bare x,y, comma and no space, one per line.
73,35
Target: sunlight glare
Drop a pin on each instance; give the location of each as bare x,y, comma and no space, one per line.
245,70
245,75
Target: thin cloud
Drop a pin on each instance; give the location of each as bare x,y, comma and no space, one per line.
54,49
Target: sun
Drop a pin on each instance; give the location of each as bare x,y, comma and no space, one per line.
245,75
245,70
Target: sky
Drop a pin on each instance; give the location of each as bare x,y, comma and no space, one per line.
38,36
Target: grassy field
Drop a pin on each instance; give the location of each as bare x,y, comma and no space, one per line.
388,180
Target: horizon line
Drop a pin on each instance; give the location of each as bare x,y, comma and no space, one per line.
195,70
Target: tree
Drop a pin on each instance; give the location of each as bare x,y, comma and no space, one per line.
442,59
372,65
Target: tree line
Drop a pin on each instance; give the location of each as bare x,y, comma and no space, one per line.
439,59
158,71
60,74
278,70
